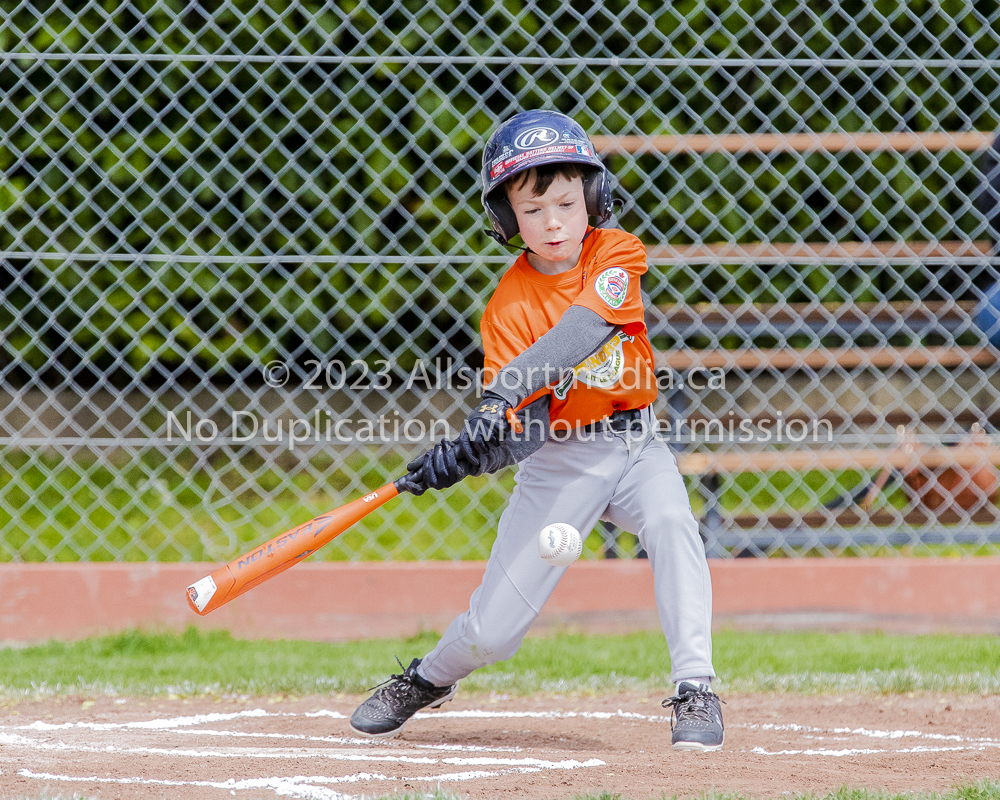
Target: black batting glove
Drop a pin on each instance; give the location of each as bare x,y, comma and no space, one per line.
411,482
485,457
442,466
487,423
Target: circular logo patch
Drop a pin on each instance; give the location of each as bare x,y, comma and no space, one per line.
612,286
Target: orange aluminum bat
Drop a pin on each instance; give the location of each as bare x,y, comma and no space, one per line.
281,553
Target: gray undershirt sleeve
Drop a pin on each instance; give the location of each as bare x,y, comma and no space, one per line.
579,334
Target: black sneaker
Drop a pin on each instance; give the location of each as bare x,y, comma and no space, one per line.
386,712
696,720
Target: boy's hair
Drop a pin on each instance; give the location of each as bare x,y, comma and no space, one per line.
543,176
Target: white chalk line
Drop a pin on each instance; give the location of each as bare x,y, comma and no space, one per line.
299,786
872,733
298,753
175,724
457,748
302,786
288,754
201,719
971,743
155,724
46,726
868,751
182,725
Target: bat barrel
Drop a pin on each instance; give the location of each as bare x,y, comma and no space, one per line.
280,553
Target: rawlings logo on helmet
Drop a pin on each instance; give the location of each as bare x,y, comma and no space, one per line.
535,137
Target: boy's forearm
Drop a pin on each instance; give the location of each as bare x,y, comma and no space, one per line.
579,334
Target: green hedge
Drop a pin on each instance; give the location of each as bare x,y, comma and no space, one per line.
364,142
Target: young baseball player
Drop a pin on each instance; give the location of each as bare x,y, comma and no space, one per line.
570,363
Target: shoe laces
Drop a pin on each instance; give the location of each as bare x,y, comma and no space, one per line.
398,686
697,704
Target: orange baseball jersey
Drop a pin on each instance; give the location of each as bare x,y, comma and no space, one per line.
527,304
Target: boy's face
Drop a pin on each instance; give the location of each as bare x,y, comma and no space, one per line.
553,224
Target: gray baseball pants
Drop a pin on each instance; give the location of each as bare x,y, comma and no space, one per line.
630,479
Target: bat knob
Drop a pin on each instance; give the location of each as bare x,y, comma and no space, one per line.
200,594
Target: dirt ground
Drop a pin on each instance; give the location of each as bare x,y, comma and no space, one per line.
491,747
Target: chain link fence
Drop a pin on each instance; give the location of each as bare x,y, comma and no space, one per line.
242,263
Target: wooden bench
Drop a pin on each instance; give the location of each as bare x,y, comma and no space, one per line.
904,459
802,460
805,523
795,142
763,252
915,320
822,358
711,464
946,314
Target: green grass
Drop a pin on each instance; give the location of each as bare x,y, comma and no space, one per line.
155,508
214,663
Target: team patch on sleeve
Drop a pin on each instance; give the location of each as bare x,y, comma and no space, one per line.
612,286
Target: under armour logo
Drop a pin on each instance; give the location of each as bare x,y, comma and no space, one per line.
535,137
492,408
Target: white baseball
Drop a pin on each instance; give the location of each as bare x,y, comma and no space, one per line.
559,544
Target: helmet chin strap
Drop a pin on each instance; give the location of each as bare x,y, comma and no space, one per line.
494,235
600,224
604,220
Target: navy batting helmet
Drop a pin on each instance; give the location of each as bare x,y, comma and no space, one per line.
531,139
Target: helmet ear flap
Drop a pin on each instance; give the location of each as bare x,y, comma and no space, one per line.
597,194
501,216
